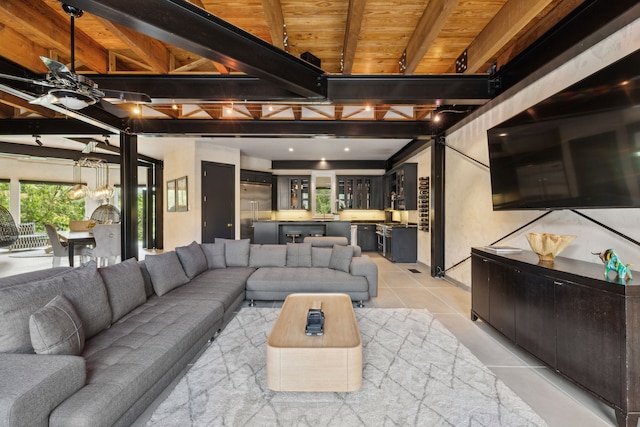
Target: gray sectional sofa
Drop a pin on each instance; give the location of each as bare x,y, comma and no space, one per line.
92,346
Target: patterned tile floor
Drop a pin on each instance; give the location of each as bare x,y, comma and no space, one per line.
557,401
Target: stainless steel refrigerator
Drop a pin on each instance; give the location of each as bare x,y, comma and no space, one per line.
255,205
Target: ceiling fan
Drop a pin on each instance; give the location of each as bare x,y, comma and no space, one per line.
72,90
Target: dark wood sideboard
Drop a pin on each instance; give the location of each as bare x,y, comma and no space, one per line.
567,315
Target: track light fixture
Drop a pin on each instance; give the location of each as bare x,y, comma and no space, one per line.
37,137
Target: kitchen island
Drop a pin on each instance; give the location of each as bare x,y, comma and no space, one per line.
281,232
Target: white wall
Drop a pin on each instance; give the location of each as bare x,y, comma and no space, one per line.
423,159
181,228
469,218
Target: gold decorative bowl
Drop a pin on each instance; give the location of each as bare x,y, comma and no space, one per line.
548,246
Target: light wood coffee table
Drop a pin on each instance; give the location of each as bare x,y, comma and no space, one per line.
330,362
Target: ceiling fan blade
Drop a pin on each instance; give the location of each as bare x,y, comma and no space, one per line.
54,66
24,79
113,109
123,96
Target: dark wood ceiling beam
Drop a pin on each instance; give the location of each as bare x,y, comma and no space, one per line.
431,23
346,128
40,19
352,33
14,45
150,50
275,22
504,26
418,89
186,26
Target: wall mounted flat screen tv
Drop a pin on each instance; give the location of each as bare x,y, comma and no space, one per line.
577,149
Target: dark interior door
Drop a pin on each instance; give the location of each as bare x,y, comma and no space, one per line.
218,201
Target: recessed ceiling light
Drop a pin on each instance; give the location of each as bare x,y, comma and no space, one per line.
323,159
346,148
290,149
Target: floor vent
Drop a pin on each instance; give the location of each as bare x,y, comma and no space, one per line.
413,270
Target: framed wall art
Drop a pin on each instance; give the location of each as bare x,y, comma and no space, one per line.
171,195
181,195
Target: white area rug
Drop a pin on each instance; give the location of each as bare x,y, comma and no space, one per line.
415,373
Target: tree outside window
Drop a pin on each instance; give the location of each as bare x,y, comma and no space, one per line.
42,202
4,194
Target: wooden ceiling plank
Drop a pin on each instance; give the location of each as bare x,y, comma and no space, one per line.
297,112
213,110
190,66
40,19
16,102
319,111
381,111
275,111
167,110
153,51
561,10
198,3
7,111
505,25
14,45
429,27
130,59
352,34
275,21
255,110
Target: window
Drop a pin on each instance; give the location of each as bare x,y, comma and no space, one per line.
42,202
4,193
323,187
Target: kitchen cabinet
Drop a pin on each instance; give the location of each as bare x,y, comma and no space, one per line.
566,314
275,232
359,192
402,244
255,176
401,187
294,192
367,237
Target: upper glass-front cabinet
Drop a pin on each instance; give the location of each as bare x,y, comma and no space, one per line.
359,192
294,192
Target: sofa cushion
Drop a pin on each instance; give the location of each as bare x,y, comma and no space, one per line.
192,258
267,256
148,286
305,279
56,328
320,257
326,241
298,254
36,388
214,252
236,252
341,258
83,286
125,287
166,272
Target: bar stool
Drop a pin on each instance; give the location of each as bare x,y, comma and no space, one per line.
293,236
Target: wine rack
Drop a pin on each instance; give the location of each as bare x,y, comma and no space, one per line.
423,203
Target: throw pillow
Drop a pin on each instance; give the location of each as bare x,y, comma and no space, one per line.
57,329
341,258
192,258
166,272
84,287
17,304
125,287
298,254
214,252
236,252
267,256
320,257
